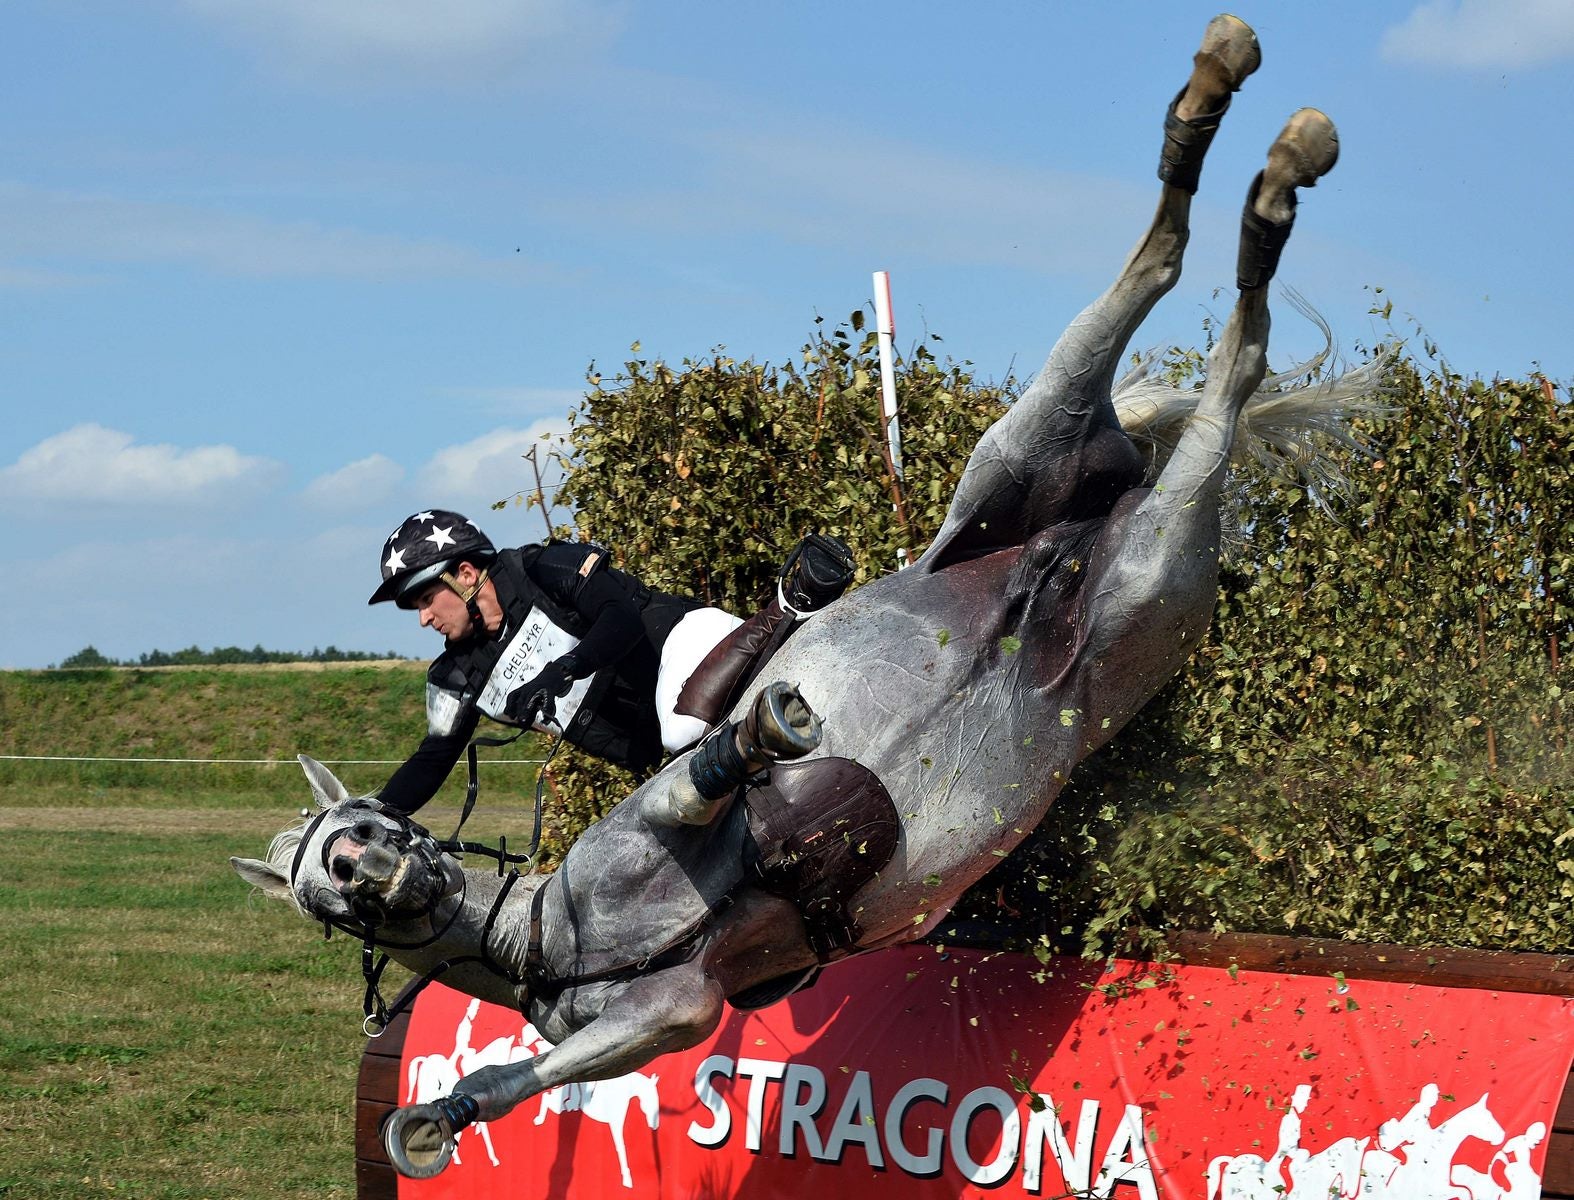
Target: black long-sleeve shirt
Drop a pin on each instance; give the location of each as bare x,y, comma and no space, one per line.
620,626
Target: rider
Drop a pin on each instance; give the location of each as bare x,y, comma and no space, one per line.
554,633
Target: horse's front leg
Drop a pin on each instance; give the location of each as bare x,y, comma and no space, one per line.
655,1015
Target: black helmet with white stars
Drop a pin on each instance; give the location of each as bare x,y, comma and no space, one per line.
423,548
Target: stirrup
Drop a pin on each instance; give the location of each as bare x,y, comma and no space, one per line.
1262,242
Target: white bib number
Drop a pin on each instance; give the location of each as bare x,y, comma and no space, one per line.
536,643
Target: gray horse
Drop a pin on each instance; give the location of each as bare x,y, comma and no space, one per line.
956,697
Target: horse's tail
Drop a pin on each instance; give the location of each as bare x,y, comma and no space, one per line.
1293,427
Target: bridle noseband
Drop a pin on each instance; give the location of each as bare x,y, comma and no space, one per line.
369,916
411,838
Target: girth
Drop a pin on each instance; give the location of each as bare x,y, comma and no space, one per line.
819,830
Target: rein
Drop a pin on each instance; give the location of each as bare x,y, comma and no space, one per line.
376,1013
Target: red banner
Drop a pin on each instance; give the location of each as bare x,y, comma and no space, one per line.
921,1073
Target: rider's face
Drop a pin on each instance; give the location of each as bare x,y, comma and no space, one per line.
440,608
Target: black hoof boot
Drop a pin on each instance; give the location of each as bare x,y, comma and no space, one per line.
1262,242
1186,145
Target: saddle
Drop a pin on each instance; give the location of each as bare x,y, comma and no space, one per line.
819,830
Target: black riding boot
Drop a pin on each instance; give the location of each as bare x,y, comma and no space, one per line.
816,573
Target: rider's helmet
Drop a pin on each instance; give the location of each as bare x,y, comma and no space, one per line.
425,547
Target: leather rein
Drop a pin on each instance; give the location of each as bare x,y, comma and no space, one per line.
538,980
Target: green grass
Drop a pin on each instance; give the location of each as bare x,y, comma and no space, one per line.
165,1033
167,1036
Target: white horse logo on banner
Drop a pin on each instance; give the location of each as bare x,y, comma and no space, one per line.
434,1075
607,1101
1409,1159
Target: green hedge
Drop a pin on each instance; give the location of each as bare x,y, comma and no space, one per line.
1372,742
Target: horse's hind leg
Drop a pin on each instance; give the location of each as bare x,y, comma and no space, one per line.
1059,453
1156,566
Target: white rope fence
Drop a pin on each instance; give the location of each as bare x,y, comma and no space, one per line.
259,762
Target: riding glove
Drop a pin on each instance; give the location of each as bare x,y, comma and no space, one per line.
535,698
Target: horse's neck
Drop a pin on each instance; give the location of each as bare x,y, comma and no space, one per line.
462,932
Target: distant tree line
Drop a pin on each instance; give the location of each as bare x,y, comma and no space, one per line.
193,656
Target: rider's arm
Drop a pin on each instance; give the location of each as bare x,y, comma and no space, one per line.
417,781
450,724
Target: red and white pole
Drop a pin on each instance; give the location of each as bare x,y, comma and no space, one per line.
885,330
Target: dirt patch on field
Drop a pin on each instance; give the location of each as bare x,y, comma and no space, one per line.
144,820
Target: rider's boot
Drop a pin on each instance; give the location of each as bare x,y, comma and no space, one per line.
817,572
779,726
1229,53
1305,150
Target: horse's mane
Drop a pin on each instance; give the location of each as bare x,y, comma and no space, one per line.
1291,428
281,852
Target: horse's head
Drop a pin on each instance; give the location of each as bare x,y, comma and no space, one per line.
354,862
649,1099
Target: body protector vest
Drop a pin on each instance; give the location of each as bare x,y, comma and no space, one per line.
612,713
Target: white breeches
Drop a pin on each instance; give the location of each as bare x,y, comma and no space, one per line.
691,639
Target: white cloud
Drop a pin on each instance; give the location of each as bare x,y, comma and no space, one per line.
91,464
1484,34
40,224
462,41
361,484
473,476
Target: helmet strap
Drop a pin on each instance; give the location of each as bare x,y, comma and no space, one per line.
469,595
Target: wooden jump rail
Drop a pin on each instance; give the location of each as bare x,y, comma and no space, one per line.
378,1090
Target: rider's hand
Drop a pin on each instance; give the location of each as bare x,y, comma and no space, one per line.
535,697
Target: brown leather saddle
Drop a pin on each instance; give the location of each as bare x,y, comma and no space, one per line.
819,830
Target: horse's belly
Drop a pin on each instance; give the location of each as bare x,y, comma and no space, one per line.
970,750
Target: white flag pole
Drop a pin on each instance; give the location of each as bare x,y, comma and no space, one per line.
885,329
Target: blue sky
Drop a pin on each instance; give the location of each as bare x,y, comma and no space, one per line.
276,273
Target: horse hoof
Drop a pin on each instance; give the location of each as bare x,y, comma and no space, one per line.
417,1142
1305,150
781,723
1229,51
1228,55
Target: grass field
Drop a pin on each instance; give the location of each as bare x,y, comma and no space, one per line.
165,1033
